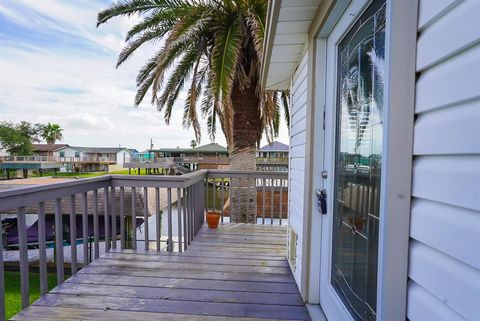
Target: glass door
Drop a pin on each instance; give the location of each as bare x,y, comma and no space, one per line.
355,158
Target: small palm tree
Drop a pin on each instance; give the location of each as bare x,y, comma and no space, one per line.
51,133
213,49
193,143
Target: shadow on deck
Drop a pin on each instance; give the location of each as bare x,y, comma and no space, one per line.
238,272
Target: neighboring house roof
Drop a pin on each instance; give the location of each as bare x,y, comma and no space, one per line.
211,148
94,150
208,148
38,148
275,147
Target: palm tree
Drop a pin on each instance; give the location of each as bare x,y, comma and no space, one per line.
213,49
193,143
51,133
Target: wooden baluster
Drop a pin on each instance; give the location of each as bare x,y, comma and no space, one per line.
85,227
222,198
114,218
263,200
2,276
206,195
23,248
179,217
281,203
73,235
145,217
230,206
96,229
42,254
122,218
190,212
59,240
272,192
134,218
106,219
170,238
158,225
186,240
214,186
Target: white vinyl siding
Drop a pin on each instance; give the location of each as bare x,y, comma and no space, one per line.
444,263
297,158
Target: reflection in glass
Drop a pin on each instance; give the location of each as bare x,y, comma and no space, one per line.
358,162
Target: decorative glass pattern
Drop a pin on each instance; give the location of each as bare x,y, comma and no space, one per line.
358,161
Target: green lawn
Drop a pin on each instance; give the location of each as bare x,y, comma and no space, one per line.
12,290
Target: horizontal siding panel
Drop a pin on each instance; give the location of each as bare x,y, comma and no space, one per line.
431,10
451,230
298,139
298,127
300,85
297,151
301,72
455,284
455,80
450,180
300,114
453,130
297,179
422,306
457,30
300,100
297,163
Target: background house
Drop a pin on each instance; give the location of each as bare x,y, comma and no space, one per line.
92,159
273,157
45,149
209,156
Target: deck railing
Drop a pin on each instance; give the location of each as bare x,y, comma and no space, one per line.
106,200
188,190
57,159
269,190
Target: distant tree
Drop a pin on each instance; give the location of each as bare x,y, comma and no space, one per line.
17,139
193,143
51,133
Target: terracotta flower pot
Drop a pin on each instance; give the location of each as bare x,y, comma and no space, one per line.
212,219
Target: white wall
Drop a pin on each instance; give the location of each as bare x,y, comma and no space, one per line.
121,155
69,152
297,159
444,264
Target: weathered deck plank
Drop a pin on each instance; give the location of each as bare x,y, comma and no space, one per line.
237,272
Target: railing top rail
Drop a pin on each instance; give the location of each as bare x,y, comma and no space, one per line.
25,196
180,181
29,195
216,173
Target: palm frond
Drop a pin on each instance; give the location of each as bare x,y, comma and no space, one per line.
131,7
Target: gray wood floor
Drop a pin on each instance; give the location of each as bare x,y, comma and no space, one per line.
238,272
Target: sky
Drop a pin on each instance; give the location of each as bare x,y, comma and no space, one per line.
56,66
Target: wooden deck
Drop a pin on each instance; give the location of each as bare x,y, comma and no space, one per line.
238,272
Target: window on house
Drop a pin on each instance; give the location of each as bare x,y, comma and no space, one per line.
62,154
77,154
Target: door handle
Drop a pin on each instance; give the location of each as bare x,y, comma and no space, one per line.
322,200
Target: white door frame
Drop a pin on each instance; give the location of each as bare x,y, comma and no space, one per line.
399,91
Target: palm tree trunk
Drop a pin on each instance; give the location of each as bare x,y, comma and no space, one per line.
246,134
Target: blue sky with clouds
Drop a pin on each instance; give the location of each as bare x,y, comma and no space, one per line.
56,66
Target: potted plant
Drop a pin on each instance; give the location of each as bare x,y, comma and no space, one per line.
212,219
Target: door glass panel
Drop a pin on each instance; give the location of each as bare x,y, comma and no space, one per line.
358,160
